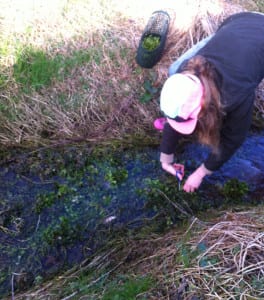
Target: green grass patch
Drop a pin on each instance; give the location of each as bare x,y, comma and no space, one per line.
35,69
128,289
120,287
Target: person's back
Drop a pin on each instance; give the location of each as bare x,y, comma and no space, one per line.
237,52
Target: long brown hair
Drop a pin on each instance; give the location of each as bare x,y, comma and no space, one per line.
210,117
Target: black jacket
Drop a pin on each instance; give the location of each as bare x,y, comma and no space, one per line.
237,52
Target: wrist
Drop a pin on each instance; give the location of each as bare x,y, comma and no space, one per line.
168,167
203,171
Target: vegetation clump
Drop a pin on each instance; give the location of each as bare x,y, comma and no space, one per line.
235,190
151,42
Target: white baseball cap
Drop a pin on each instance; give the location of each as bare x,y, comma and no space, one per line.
180,101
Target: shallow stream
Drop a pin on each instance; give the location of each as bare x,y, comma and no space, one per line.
58,206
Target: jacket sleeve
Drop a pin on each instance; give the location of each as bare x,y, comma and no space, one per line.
169,142
233,134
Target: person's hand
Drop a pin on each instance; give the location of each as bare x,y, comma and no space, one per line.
173,168
179,170
195,179
193,182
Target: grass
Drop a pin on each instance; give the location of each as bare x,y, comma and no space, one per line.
34,69
65,69
128,288
221,258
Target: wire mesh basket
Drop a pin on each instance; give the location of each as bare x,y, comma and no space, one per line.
153,39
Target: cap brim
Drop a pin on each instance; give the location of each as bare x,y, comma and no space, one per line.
186,127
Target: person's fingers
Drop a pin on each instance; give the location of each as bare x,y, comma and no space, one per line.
188,189
182,170
179,167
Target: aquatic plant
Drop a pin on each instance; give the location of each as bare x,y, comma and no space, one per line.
171,204
151,42
117,176
45,200
234,190
65,232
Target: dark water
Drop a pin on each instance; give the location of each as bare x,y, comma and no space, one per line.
247,164
49,222
56,209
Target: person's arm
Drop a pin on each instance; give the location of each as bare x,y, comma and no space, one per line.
195,179
188,54
233,134
169,142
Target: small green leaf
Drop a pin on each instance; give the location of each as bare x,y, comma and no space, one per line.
145,98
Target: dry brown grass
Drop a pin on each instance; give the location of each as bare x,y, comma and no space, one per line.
228,266
109,107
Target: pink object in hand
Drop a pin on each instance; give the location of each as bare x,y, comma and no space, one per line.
159,123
